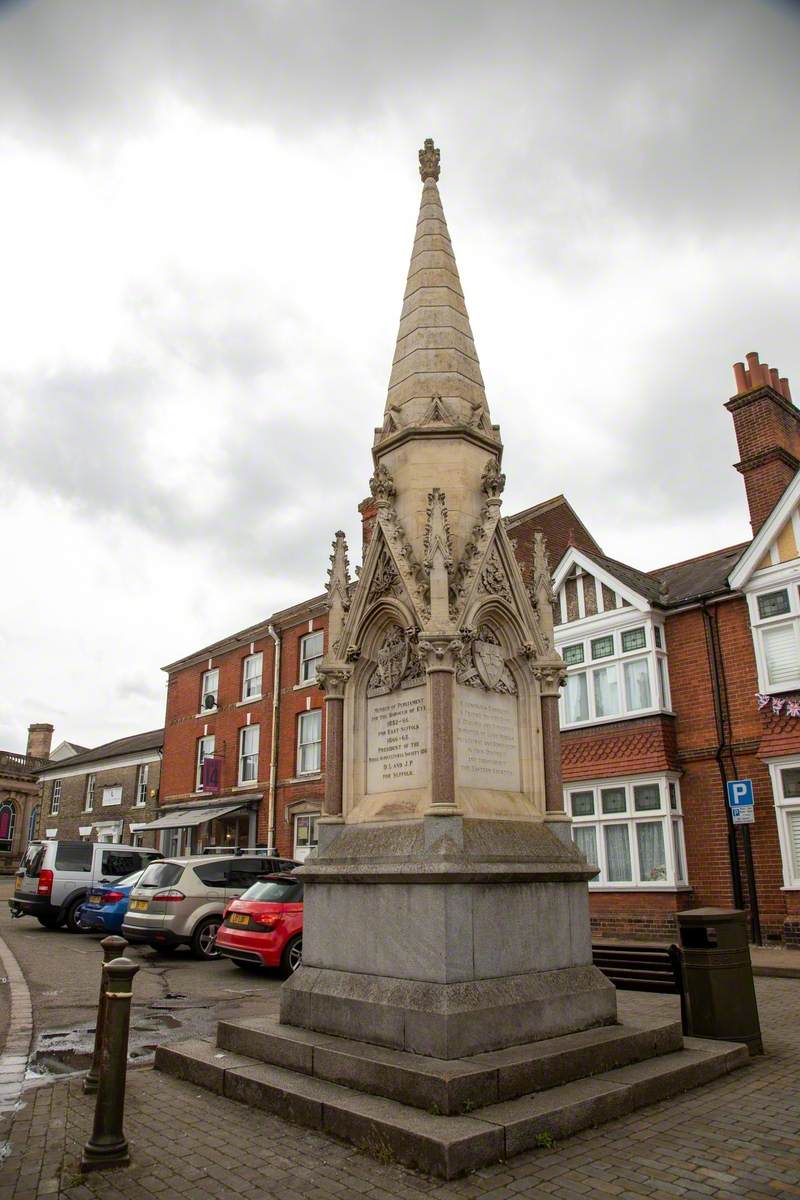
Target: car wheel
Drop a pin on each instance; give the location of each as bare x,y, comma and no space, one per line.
49,922
73,922
203,938
292,955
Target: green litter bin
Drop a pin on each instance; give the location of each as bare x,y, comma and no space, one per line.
718,977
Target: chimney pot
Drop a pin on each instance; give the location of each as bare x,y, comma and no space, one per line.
740,375
756,377
785,391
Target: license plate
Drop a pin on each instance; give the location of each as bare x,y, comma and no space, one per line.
139,905
95,899
239,919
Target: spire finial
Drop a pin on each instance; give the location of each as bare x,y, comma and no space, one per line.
429,161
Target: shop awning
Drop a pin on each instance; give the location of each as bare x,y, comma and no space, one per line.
183,818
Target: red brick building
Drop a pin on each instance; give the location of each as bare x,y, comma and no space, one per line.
658,714
660,708
222,703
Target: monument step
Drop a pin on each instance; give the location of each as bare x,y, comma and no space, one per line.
447,1146
449,1086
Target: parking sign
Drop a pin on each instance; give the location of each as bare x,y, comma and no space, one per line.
740,801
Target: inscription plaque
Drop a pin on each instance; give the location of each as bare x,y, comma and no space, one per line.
397,741
487,739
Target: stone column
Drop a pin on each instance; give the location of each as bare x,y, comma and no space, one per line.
551,677
439,656
333,682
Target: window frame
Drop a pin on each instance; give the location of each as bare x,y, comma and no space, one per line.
88,796
304,659
785,807
760,625
55,798
309,819
586,636
12,825
200,755
142,773
243,732
108,789
301,720
668,815
248,679
207,691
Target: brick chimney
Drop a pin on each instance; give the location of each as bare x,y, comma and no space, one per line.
39,740
767,427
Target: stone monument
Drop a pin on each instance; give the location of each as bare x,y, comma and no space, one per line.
446,910
447,1010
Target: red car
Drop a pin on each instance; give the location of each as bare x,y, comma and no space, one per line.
264,927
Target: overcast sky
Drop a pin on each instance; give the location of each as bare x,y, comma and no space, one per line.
208,210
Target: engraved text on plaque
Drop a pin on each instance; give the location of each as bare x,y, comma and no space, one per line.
487,740
397,741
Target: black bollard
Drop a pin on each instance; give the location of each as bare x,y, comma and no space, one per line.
113,947
108,1146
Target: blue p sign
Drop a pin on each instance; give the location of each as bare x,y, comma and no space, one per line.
740,793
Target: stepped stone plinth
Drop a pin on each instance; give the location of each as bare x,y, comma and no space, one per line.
448,1117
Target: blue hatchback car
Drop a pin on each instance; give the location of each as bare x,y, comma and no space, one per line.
105,907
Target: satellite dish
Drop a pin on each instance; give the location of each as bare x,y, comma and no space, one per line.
210,700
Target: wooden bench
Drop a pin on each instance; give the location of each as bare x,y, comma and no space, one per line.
642,967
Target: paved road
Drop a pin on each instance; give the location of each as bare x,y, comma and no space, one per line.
175,995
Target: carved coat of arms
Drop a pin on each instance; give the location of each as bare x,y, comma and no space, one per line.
489,661
393,658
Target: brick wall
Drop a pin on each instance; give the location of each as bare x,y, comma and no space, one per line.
561,528
72,814
649,916
185,724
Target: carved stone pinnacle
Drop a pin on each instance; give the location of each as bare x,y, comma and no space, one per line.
429,161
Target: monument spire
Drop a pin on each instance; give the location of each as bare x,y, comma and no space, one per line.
435,372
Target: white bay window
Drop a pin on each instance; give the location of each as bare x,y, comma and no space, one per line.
630,829
619,674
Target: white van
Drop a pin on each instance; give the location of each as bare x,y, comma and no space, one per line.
55,877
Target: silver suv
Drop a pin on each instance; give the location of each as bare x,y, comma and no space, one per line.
180,901
55,877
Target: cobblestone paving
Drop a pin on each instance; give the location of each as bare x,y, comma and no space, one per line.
738,1137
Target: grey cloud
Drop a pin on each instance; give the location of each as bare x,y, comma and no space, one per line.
678,112
81,437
